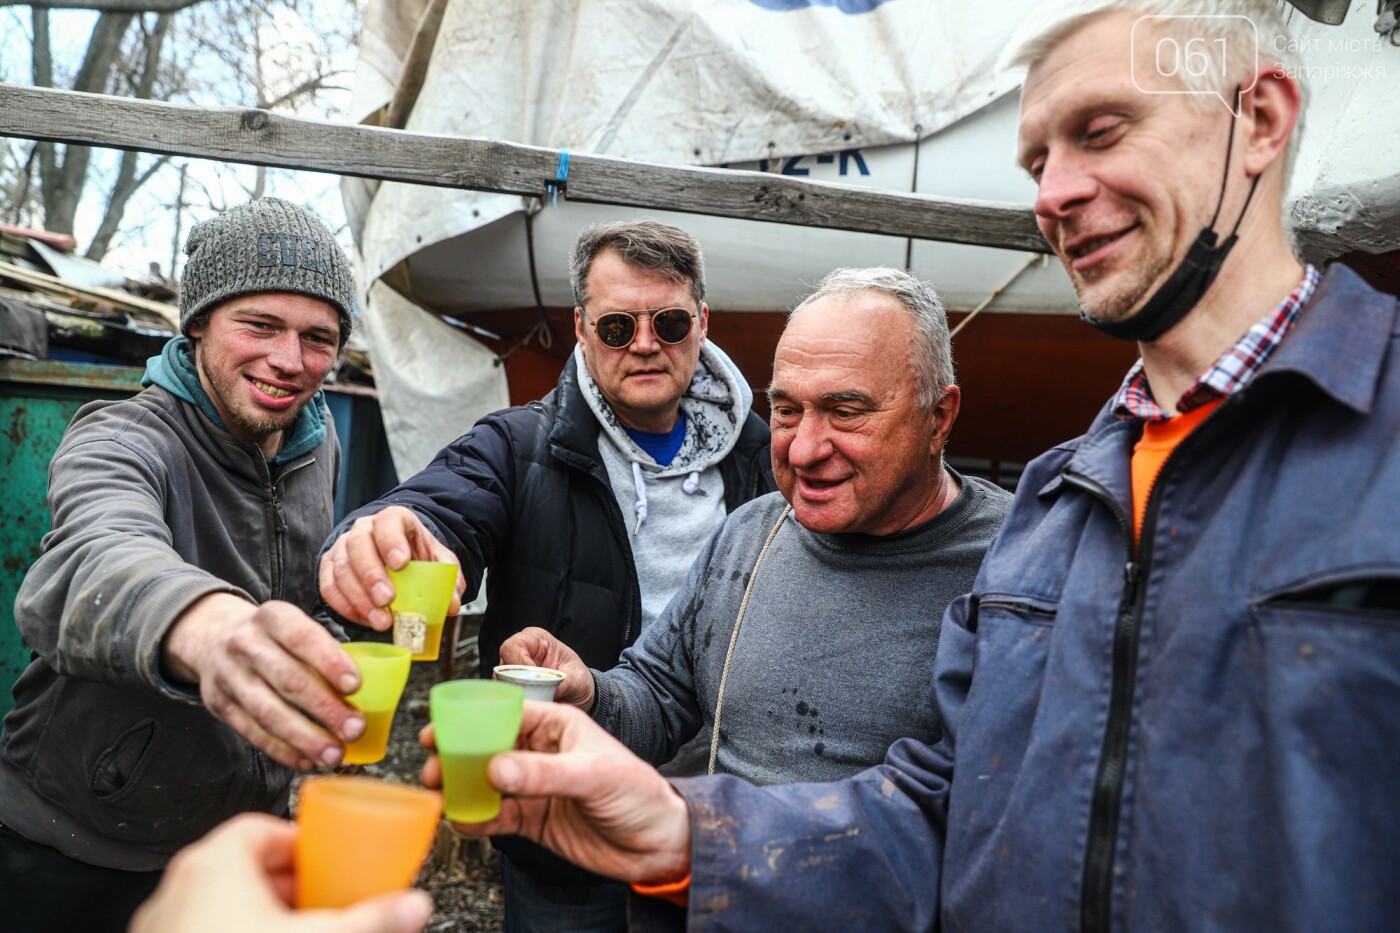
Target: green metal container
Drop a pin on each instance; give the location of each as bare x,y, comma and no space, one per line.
37,400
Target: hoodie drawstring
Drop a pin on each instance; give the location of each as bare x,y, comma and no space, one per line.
641,504
690,486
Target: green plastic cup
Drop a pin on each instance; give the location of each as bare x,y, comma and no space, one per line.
473,720
422,592
383,674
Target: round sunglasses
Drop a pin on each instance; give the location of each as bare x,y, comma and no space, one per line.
617,329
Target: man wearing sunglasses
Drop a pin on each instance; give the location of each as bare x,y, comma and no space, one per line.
588,506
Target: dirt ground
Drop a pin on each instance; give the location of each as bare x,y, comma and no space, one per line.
462,875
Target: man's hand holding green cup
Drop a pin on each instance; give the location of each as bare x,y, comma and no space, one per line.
472,721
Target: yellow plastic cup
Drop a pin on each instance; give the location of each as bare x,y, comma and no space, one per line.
473,720
422,592
360,837
383,674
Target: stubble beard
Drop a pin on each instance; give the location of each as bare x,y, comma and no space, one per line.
1119,301
225,394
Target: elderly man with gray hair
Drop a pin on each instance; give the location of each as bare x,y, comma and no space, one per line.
805,632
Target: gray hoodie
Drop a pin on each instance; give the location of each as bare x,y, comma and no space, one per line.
673,510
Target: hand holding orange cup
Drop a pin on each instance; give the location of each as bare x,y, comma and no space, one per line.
383,674
423,590
360,837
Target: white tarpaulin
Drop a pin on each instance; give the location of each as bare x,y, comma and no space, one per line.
434,381
906,88
673,81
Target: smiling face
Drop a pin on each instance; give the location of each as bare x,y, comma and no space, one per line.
853,450
262,357
1124,177
643,382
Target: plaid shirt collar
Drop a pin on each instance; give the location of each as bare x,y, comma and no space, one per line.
1228,374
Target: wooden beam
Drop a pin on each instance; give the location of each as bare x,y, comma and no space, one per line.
259,137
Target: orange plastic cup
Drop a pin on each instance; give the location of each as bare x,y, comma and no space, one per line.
360,837
422,592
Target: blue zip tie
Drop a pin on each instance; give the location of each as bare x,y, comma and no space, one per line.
561,178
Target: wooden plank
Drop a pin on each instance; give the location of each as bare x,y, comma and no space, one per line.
144,309
259,137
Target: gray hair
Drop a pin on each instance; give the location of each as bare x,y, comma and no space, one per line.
643,244
930,355
1239,24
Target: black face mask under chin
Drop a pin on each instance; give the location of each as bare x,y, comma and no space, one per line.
1189,281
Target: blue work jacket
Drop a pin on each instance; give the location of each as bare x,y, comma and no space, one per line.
1202,732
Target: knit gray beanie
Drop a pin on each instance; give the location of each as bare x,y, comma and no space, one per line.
267,245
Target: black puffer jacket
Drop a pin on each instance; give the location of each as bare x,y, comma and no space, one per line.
525,494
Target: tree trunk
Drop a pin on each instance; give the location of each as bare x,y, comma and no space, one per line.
63,184
128,182
43,77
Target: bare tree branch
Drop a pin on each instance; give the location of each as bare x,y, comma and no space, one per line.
259,183
309,86
128,183
179,207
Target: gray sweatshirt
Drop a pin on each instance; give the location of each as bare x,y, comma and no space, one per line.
835,655
672,510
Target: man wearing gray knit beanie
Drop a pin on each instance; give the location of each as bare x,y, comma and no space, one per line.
178,677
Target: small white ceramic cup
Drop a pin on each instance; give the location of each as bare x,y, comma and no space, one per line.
539,683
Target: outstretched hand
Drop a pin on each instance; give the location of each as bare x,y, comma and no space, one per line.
240,877
537,647
272,673
352,577
575,789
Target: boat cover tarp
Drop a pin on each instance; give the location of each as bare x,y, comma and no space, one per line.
672,81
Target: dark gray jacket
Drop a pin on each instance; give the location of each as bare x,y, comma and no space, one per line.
153,508
832,661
